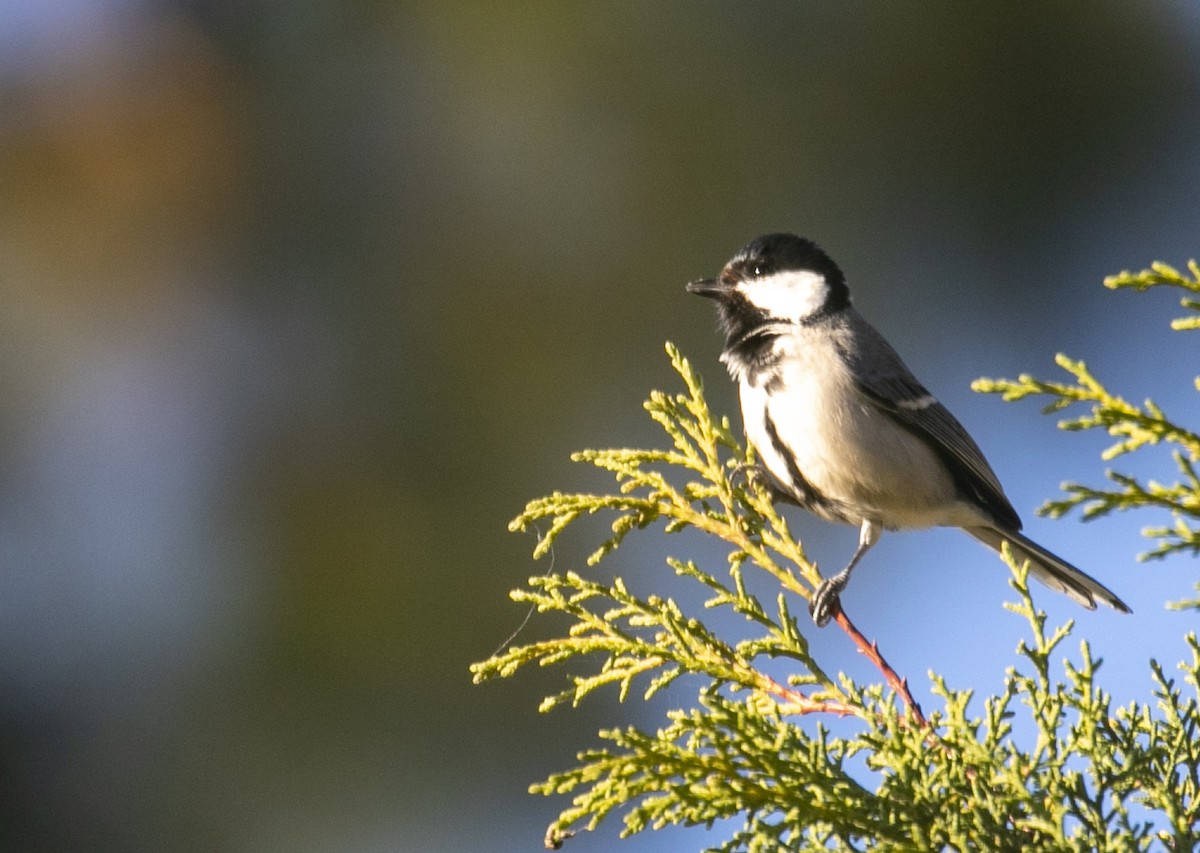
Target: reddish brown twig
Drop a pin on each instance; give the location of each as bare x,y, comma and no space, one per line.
795,702
871,649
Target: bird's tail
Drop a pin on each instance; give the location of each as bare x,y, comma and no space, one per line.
1051,570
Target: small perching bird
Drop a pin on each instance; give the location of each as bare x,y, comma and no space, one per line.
842,426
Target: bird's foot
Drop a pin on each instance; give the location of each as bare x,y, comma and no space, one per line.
751,473
755,476
826,601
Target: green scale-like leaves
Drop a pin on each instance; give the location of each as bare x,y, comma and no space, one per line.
752,748
1134,427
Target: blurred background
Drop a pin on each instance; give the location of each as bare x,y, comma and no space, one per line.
301,301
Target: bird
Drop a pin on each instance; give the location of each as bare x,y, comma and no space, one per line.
843,428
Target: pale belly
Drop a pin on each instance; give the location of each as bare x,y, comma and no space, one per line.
856,458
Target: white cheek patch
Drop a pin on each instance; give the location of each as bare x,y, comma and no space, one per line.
793,295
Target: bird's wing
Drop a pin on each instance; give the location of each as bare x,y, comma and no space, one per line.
890,386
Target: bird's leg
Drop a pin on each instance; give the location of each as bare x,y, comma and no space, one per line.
825,601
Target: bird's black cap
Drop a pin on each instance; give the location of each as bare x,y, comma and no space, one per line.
782,252
771,254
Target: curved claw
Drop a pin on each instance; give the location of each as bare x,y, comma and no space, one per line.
751,473
755,475
826,601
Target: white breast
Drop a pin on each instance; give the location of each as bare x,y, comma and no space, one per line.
846,448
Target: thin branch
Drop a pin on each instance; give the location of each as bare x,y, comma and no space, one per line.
870,649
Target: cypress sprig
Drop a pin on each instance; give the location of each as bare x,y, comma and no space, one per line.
1092,777
753,749
1165,275
1134,427
653,637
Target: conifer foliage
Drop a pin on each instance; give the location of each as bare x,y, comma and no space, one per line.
752,747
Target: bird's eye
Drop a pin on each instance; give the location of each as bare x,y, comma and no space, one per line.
758,270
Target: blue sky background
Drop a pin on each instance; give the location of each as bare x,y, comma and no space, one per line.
303,301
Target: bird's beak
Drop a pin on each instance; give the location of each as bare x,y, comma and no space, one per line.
713,288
